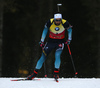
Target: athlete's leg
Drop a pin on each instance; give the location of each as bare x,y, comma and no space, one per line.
38,66
48,47
57,58
41,61
58,52
57,63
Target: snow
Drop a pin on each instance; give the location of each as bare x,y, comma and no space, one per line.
50,83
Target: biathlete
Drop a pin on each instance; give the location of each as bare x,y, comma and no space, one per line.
56,27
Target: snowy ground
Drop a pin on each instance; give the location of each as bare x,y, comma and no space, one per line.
50,83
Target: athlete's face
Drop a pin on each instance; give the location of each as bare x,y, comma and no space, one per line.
57,21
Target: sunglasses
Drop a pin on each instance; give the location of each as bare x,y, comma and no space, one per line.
58,20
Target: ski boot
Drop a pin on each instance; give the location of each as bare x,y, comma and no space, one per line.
33,75
56,76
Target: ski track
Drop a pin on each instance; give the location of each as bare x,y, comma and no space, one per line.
50,83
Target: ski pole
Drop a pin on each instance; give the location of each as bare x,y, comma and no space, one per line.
44,67
45,70
72,61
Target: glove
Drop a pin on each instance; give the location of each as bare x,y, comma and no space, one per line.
68,42
41,44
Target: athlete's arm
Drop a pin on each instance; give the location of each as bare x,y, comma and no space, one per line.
69,29
45,31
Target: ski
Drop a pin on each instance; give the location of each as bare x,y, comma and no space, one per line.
19,80
24,79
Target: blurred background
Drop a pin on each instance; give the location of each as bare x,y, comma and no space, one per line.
21,26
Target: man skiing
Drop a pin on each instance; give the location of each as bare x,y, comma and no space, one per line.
56,27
